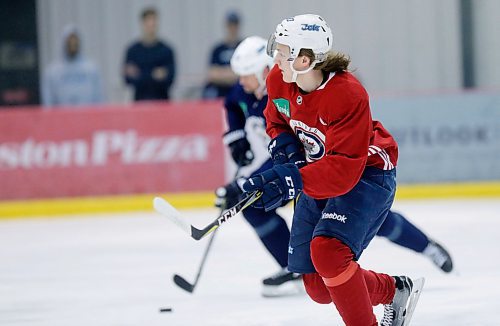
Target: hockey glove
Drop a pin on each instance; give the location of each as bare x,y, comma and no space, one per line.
229,195
286,148
239,146
278,184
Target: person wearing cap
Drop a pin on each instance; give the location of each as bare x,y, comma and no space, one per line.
220,77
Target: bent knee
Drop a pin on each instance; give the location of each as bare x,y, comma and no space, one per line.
331,257
316,289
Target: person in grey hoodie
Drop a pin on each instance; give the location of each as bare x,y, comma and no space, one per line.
72,80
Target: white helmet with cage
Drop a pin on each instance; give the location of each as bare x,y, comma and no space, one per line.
250,58
306,31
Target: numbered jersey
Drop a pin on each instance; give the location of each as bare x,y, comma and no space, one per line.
335,126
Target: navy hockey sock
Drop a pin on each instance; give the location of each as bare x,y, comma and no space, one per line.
400,231
272,231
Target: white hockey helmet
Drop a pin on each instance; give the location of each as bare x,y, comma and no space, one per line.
250,58
306,31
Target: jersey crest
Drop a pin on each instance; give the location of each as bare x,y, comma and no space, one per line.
312,139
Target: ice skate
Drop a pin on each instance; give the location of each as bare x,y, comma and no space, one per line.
400,310
283,283
439,256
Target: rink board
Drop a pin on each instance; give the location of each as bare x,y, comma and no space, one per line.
107,204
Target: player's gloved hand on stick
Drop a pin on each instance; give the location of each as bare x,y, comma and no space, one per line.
286,148
229,195
239,146
278,184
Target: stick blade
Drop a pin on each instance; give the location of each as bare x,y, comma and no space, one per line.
164,208
183,284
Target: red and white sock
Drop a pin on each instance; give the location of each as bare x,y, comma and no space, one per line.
345,283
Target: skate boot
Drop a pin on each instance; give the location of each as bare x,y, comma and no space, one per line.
439,256
283,283
400,310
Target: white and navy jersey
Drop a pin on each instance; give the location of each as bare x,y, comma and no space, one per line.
245,112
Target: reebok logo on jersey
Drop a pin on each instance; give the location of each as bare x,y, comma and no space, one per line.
322,122
334,216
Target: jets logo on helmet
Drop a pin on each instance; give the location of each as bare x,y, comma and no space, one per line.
307,27
250,58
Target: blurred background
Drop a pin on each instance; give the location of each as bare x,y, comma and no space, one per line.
77,122
395,46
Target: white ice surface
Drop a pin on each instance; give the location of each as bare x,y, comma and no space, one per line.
116,270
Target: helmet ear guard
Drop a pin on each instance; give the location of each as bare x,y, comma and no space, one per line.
271,45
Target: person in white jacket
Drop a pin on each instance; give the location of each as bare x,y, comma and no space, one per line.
72,80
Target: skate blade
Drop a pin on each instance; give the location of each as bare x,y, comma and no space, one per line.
287,289
418,285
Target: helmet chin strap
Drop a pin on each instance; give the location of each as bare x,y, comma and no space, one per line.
296,73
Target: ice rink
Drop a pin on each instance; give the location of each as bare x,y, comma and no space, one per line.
116,270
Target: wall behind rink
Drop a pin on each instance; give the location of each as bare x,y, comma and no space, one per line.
95,151
444,137
177,148
394,45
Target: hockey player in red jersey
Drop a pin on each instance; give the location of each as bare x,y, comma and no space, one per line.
318,109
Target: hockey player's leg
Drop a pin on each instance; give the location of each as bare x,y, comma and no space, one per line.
399,230
380,287
316,288
274,235
344,280
272,230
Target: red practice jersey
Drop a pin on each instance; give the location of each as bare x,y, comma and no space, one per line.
335,126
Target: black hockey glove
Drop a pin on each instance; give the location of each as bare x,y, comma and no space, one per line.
229,195
286,148
239,146
278,185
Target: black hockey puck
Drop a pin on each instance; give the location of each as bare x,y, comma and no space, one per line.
165,309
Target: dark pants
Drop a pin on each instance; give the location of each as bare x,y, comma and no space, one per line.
353,218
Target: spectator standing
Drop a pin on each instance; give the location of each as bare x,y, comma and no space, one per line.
72,80
220,76
150,63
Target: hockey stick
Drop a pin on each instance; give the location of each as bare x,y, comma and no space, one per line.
181,281
164,208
